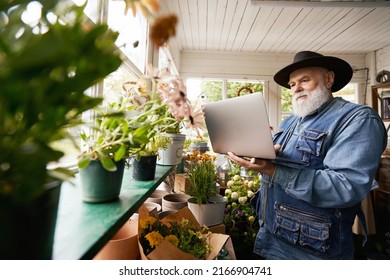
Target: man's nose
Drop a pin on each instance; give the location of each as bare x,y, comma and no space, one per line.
297,88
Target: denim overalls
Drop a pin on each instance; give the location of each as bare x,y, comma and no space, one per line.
326,167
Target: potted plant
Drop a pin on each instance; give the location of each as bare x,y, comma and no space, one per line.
199,143
205,202
178,113
172,110
102,162
44,72
145,156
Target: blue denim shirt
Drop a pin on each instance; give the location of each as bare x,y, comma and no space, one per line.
326,166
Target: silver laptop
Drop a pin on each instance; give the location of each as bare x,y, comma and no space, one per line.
240,125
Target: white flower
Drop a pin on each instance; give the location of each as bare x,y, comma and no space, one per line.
242,200
250,194
234,204
250,184
236,177
228,191
234,196
251,219
230,184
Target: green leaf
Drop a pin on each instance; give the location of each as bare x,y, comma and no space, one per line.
108,163
84,162
120,153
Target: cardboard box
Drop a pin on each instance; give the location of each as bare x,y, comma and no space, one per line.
221,228
167,251
181,183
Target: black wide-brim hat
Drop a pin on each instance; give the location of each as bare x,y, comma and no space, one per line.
343,71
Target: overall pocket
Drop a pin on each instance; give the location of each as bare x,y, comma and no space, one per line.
300,227
310,142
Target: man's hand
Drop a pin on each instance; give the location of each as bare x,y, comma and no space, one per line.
264,166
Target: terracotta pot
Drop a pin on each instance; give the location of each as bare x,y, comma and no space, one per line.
157,196
174,201
123,245
152,205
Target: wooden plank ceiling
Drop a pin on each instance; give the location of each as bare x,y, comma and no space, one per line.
281,27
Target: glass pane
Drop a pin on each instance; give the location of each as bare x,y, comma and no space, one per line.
132,38
164,64
194,90
113,84
239,88
349,92
286,100
91,9
211,91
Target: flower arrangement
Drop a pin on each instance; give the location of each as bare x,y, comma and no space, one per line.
202,175
183,234
240,217
167,96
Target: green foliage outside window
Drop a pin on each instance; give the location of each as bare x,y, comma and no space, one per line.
213,89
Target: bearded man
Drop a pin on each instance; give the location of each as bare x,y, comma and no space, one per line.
328,153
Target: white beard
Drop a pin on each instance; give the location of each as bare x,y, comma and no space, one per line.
312,101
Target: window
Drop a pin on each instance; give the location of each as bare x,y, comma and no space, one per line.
132,32
132,42
286,108
214,90
349,92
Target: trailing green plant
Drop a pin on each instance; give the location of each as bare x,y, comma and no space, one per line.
107,142
45,68
122,129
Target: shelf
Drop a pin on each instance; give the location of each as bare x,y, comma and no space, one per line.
383,190
381,85
375,95
84,228
381,195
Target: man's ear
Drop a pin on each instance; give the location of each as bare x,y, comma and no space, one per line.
329,79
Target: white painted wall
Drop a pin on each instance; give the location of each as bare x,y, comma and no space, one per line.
383,59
